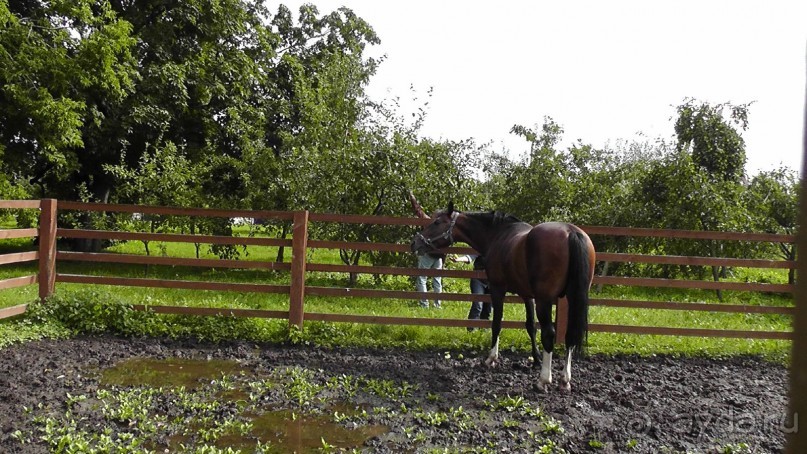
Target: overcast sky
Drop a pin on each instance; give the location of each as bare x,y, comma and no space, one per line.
604,70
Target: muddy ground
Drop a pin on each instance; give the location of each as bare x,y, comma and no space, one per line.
617,404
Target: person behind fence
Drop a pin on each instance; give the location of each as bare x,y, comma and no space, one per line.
480,310
427,261
430,262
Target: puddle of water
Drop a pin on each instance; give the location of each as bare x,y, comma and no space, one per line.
167,373
287,432
347,408
283,430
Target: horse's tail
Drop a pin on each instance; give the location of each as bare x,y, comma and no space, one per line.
577,286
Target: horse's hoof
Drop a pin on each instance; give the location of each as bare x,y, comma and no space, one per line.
541,387
565,387
490,362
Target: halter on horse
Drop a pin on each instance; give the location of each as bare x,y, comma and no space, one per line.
540,264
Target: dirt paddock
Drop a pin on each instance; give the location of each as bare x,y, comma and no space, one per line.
617,404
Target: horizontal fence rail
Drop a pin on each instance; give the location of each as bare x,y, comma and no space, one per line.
299,268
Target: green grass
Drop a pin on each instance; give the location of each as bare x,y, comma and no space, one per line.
419,337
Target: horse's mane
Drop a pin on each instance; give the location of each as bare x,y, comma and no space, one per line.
494,218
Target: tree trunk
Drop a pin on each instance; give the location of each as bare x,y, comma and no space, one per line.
716,276
603,274
281,250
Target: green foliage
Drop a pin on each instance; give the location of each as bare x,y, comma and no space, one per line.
87,311
542,177
715,144
25,330
772,199
63,65
91,311
174,104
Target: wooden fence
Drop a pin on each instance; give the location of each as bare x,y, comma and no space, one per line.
48,276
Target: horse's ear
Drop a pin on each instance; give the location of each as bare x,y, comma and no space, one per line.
450,208
416,207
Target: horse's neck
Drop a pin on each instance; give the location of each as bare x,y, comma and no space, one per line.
477,238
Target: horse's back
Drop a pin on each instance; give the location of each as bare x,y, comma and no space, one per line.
548,255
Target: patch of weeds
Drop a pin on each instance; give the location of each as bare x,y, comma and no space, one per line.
321,333
389,389
735,448
258,388
87,311
432,418
227,426
510,424
596,444
345,383
549,447
516,404
92,311
299,387
127,406
23,330
551,426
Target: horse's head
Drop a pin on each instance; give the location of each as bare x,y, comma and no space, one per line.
438,234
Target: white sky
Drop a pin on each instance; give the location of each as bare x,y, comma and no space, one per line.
604,70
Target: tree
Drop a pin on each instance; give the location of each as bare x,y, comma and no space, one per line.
62,64
368,169
90,85
715,144
541,177
773,206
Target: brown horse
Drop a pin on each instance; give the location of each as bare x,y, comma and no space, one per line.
540,264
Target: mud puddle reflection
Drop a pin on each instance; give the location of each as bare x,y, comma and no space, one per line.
277,431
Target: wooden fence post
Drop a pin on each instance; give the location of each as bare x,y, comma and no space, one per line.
561,320
299,244
47,248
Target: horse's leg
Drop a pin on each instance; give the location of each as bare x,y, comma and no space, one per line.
544,310
566,381
529,305
497,299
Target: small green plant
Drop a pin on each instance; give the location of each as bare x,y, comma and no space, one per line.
345,383
510,424
299,386
549,447
735,448
435,419
20,436
516,404
596,444
552,427
388,389
326,447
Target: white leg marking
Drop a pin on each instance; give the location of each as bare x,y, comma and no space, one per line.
546,370
493,356
566,383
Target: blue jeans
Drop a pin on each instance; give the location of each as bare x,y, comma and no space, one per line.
479,309
426,261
